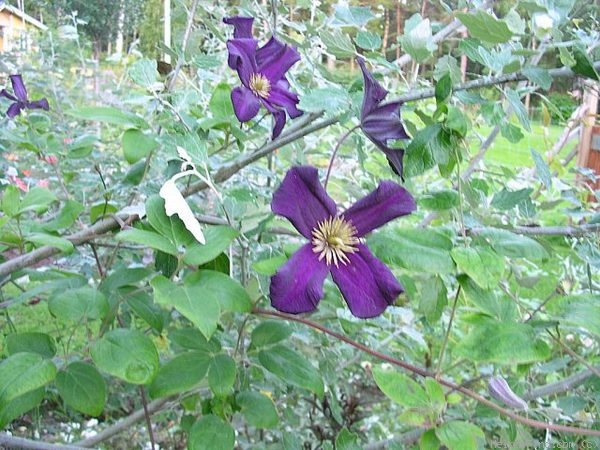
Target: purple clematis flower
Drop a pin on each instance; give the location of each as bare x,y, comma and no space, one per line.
381,122
262,73
336,245
20,98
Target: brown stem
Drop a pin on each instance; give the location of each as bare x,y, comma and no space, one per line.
335,150
147,417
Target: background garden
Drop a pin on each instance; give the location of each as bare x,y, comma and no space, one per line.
120,330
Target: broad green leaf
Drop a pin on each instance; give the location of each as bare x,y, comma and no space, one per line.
102,209
221,375
329,99
433,298
258,409
352,16
191,299
218,238
11,201
31,342
211,433
144,73
511,133
82,388
440,200
507,199
192,339
269,266
123,276
368,40
181,374
485,27
24,372
19,406
512,245
109,115
447,65
580,311
172,228
137,145
66,217
429,441
583,64
126,354
142,305
503,343
456,121
458,435
76,305
220,102
338,44
345,440
481,264
519,109
149,238
38,199
539,76
270,332
541,169
437,398
292,368
222,288
400,388
42,239
487,301
414,249
443,89
417,38
418,156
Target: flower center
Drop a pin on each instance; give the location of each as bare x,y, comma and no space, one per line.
260,85
333,239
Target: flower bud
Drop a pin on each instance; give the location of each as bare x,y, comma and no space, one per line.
500,390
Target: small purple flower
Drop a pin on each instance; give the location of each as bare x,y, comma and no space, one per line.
20,98
500,390
381,122
262,73
336,245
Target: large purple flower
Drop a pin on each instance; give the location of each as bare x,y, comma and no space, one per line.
262,73
336,245
381,122
20,98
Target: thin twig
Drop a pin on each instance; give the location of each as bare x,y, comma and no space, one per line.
147,417
13,442
447,335
335,150
184,43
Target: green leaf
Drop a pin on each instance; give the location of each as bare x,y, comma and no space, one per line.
443,89
541,169
512,245
223,289
507,199
583,64
518,107
330,99
269,266
218,239
437,398
503,343
417,39
400,388
433,298
137,145
440,200
345,440
418,156
143,306
192,339
338,44
109,115
82,388
487,301
580,311
481,264
368,40
171,228
31,342
19,406
101,209
191,299
258,409
66,217
539,76
38,199
144,73
414,249
211,433
180,374
458,435
292,368
429,441
511,133
221,375
356,16
24,372
270,332
42,239
148,238
220,102
11,201
76,305
126,354
485,27
456,121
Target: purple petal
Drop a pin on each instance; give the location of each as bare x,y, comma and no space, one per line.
388,201
242,26
394,157
39,104
269,52
302,200
245,103
241,55
276,67
367,284
384,123
279,119
14,110
374,92
297,287
4,93
19,87
282,97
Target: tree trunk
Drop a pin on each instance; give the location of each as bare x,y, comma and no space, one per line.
167,29
398,28
121,23
386,30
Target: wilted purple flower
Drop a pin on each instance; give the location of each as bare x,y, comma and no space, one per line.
381,122
500,390
262,73
20,98
336,245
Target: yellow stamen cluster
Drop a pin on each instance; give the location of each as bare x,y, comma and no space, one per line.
333,239
260,85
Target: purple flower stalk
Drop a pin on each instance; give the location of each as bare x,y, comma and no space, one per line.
336,245
500,390
381,122
20,99
262,73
